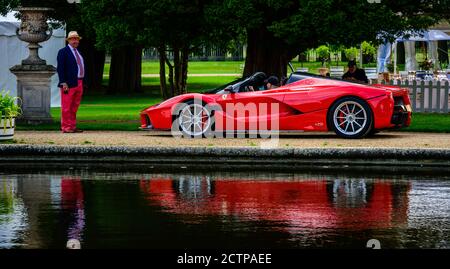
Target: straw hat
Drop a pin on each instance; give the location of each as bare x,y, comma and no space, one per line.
73,34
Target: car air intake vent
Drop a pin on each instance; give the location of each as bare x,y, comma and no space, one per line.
400,115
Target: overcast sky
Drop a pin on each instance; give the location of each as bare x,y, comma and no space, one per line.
9,17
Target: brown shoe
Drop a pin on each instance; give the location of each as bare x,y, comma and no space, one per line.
77,130
68,131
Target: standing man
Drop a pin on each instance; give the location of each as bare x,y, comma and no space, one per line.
71,75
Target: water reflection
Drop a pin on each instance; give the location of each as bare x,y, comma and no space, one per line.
222,210
306,204
72,201
12,214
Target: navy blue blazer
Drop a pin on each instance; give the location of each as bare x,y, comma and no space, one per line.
68,68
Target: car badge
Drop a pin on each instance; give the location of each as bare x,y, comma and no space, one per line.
224,97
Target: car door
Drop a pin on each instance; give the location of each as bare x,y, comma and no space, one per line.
250,110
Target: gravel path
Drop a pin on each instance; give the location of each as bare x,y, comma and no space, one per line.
305,140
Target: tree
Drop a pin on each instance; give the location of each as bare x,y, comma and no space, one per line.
278,30
368,52
351,53
116,24
176,28
7,5
324,54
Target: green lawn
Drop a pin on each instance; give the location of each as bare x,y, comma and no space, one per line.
152,67
430,122
104,113
195,84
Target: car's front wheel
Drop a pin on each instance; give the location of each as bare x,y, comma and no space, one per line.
195,120
351,117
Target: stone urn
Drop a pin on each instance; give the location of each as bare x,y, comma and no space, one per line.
34,75
34,30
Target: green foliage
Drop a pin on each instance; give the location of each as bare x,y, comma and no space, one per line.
298,25
368,48
426,65
390,67
8,107
116,22
7,5
148,23
350,22
368,51
351,53
324,53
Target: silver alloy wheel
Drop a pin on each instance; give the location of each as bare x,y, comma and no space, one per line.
350,118
194,120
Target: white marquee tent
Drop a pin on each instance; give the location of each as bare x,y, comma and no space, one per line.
429,36
13,51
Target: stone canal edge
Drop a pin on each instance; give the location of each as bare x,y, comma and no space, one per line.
202,158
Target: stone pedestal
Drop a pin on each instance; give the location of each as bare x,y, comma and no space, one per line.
33,88
34,75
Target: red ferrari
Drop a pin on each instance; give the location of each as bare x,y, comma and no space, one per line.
305,102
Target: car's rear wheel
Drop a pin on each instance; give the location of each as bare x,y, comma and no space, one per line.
195,120
351,117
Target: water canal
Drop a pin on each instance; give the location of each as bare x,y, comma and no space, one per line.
223,210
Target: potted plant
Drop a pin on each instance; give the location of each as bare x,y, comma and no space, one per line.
9,111
323,52
386,75
351,53
368,52
426,65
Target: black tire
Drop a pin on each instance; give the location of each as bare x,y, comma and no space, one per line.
350,117
372,133
201,133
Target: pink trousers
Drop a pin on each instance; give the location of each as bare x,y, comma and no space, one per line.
70,103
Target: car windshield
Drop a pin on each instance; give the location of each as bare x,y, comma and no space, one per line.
221,88
252,83
256,82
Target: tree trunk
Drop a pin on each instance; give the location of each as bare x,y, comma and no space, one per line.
126,69
178,71
94,61
266,53
442,49
162,72
171,83
184,69
400,53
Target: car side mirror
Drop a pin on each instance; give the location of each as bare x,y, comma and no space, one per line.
230,89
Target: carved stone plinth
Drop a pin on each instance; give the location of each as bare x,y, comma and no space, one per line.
33,88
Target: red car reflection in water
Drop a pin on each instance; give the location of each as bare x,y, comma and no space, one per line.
355,204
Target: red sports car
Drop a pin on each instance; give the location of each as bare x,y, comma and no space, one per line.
305,102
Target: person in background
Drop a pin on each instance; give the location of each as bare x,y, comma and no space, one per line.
71,73
355,74
272,83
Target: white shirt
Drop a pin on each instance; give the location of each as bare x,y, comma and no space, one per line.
81,57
